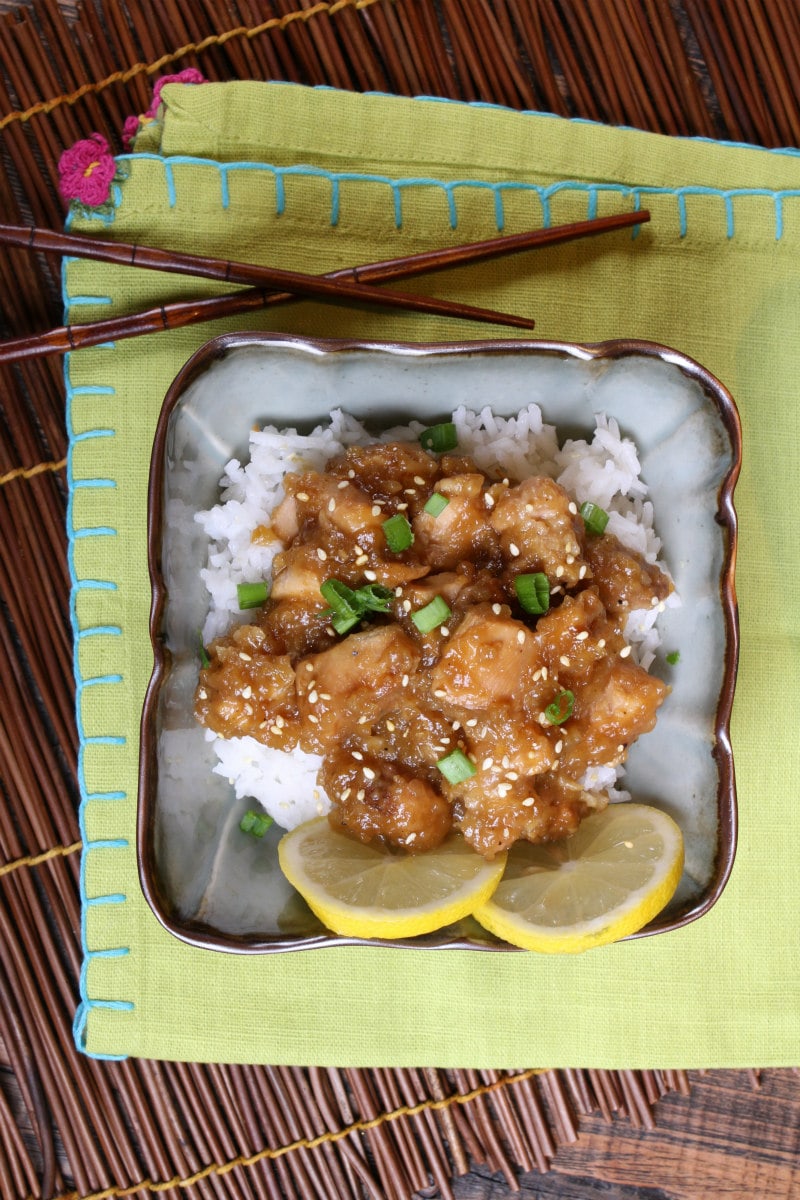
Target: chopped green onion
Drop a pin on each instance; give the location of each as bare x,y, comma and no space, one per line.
533,592
255,823
673,657
456,767
205,661
594,518
439,438
250,595
399,534
561,709
432,615
372,597
436,504
344,611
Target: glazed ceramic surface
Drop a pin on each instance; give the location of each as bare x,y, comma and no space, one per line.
212,885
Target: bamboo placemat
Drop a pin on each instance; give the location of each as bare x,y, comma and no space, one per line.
74,1127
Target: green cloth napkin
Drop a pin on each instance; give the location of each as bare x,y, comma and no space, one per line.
314,179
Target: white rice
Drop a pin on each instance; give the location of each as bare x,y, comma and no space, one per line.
605,470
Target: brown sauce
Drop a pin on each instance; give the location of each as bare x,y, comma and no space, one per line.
384,703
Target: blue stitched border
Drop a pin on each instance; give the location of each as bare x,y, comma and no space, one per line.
450,190
82,683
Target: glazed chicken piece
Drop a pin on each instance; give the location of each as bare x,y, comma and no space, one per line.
248,690
386,804
401,470
485,662
623,578
360,676
461,532
540,529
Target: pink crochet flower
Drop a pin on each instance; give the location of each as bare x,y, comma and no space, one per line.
190,75
132,124
86,171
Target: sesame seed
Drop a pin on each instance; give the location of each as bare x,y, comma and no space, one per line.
321,555
406,606
362,558
274,729
248,708
582,636
419,480
402,506
313,697
513,550
554,591
314,720
245,657
628,845
279,721
409,491
398,591
440,694
263,725
345,794
455,726
537,675
573,508
528,508
203,694
653,601
360,794
351,474
370,575
620,749
506,762
412,837
309,666
369,773
601,644
559,571
444,631
544,672
506,482
625,651
302,495
520,636
503,790
488,500
570,559
331,505
343,484
564,660
390,725
559,746
358,756
376,510
512,775
331,632
487,763
497,609
471,723
582,572
555,763
404,681
247,693
542,719
528,802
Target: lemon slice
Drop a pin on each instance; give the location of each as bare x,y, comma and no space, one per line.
364,891
603,883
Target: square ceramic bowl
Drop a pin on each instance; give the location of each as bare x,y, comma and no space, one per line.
213,887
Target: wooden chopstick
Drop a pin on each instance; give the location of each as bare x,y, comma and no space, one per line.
189,312
318,286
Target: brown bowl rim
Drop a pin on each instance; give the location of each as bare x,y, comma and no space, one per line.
203,936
